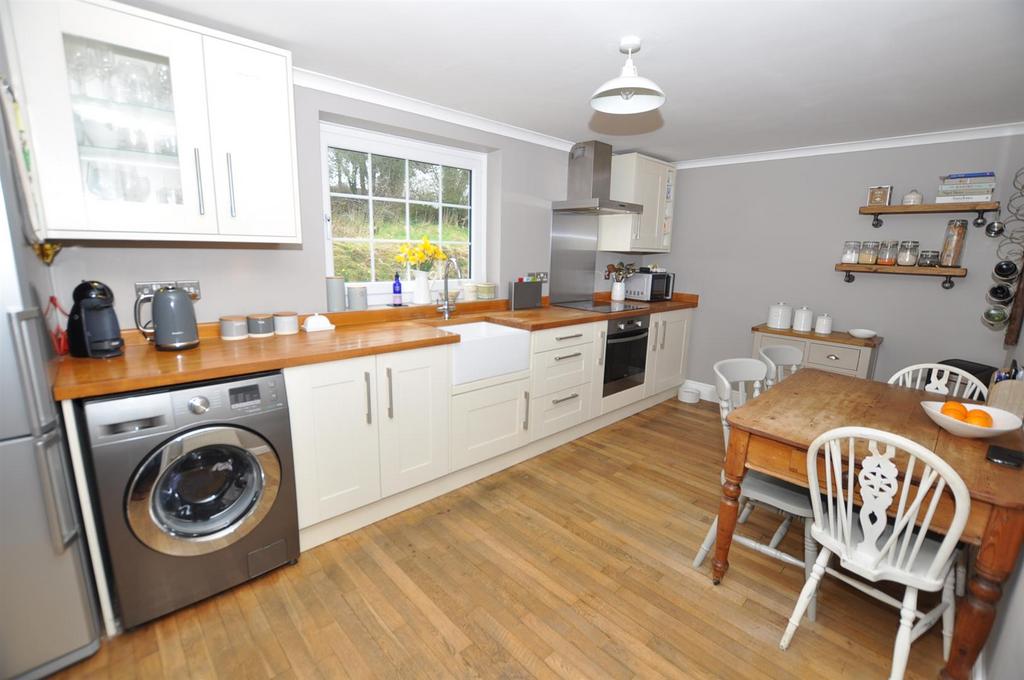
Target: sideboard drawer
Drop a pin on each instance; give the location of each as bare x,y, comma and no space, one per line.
832,356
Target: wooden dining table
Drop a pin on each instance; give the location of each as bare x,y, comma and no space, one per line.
771,434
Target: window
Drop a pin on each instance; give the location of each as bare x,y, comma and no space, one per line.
381,191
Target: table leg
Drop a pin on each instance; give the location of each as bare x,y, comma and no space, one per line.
728,508
1000,547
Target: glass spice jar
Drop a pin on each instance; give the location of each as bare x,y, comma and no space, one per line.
868,252
851,251
887,252
953,244
908,253
928,258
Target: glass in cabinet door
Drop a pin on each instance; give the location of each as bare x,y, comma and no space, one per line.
123,109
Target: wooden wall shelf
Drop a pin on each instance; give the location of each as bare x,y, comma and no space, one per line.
929,208
948,273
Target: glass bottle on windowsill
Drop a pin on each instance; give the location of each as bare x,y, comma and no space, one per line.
396,292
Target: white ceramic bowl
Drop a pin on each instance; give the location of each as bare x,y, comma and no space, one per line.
862,333
1002,421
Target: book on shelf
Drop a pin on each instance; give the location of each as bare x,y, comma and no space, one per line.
968,181
965,192
967,175
974,186
980,198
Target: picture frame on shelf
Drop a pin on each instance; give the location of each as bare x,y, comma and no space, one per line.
880,195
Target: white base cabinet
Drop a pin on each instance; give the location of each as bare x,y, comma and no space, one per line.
666,353
489,422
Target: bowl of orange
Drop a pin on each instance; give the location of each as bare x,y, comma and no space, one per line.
974,421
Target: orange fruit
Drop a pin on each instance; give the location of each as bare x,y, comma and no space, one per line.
954,409
978,417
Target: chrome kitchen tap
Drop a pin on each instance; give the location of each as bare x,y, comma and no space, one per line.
447,306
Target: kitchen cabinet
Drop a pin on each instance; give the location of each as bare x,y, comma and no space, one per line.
413,403
838,352
636,178
147,128
666,355
489,422
565,379
335,438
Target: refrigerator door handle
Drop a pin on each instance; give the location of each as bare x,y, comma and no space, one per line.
34,380
60,512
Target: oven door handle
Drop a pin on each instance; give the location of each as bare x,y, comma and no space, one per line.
633,338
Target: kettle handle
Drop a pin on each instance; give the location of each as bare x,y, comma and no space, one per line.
139,301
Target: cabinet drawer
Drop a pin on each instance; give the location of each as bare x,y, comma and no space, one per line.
555,412
566,336
768,340
560,369
832,356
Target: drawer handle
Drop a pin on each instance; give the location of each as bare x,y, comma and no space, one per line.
570,337
833,357
569,356
526,418
559,401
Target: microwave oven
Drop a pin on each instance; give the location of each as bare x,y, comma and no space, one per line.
650,287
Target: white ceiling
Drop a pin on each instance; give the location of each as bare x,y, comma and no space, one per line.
740,77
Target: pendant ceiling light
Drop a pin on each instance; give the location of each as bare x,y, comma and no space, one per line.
629,93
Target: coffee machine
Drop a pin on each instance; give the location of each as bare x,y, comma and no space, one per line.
93,330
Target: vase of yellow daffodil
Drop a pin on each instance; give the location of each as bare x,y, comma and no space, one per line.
421,258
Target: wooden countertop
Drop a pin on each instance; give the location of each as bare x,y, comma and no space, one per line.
842,337
143,367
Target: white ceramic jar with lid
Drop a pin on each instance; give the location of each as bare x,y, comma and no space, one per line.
803,319
823,326
780,315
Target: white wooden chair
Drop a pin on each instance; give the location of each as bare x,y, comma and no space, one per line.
940,379
780,359
874,546
758,489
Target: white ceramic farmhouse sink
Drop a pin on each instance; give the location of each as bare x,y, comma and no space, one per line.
486,350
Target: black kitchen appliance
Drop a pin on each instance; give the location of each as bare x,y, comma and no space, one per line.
93,330
625,354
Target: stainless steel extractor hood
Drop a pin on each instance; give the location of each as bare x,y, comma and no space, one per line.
590,177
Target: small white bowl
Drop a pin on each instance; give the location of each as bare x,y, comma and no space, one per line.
1002,421
862,333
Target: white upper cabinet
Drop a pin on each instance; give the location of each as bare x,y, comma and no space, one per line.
651,183
130,117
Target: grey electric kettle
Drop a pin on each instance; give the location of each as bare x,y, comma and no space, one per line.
174,319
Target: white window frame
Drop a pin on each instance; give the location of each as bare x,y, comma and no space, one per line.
366,141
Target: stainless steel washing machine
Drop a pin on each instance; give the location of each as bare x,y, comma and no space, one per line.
196,490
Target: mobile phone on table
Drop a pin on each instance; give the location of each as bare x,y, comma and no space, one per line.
1005,456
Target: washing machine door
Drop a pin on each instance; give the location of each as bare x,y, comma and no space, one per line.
203,490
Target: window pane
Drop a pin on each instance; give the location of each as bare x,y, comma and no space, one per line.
388,176
455,225
385,253
422,222
348,171
389,220
456,186
424,181
461,254
352,260
350,217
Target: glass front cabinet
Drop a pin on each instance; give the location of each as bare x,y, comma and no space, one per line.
149,129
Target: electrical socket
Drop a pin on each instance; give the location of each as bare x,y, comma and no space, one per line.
538,276
192,288
150,287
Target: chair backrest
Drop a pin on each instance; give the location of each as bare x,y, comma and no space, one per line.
1008,395
779,358
940,379
737,374
878,482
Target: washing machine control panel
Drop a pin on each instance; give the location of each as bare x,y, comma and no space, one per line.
228,400
199,405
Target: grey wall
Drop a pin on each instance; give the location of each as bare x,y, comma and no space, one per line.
749,235
523,180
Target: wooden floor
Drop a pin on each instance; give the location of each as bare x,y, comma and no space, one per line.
573,564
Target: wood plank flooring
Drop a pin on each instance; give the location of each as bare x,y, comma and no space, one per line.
574,564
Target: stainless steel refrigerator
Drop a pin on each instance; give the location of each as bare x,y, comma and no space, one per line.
47,602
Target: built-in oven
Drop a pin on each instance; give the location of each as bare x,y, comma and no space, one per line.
650,286
625,353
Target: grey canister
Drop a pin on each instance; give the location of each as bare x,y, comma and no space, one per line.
335,294
356,297
261,325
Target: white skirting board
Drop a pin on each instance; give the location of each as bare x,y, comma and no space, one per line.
707,391
328,530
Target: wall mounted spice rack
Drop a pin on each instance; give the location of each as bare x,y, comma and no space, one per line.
948,273
929,208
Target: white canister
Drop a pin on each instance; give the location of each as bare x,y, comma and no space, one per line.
286,323
823,326
468,292
803,320
618,291
780,315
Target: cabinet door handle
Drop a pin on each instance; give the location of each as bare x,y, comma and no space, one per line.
569,356
231,185
654,345
569,337
664,332
199,181
391,396
526,418
574,395
833,357
600,358
369,403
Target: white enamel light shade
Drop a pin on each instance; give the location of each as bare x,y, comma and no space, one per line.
629,93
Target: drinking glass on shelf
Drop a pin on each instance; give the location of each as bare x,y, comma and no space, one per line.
163,96
101,181
135,186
